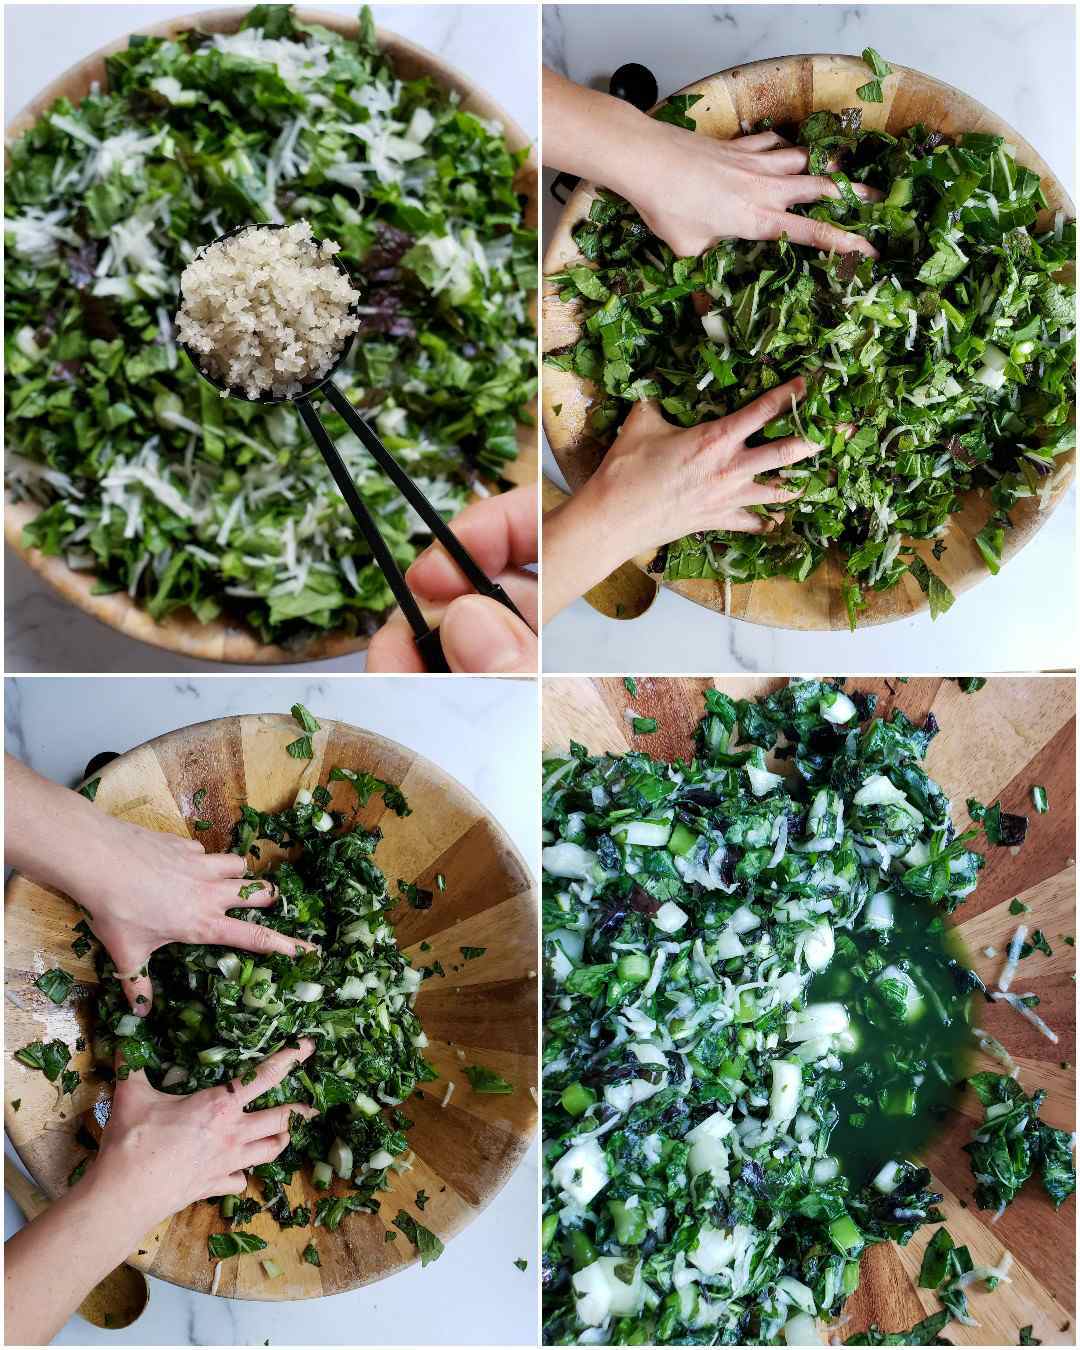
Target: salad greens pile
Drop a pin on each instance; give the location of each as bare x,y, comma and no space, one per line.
144,474
946,364
753,1018
217,1014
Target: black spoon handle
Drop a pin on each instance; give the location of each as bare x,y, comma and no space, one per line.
475,574
427,640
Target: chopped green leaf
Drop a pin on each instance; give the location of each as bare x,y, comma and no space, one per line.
425,1241
486,1080
234,1243
56,984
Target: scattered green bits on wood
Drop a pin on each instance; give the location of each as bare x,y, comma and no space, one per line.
482,1079
303,718
55,984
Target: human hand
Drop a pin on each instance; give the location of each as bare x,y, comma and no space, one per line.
163,1151
708,472
692,191
658,482
478,635
144,888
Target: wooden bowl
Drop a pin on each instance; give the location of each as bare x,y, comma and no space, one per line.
485,1008
182,632
788,89
999,742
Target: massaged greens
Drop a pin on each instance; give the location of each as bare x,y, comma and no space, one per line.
144,475
754,1018
946,364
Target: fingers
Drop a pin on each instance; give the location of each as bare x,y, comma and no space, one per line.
499,532
762,411
226,864
234,1184
645,417
777,455
760,140
821,235
393,649
270,1072
745,522
265,1150
275,1119
254,937
772,493
812,187
263,898
782,162
482,636
139,991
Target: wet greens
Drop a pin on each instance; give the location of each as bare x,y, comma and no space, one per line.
944,365
745,1037
1012,1144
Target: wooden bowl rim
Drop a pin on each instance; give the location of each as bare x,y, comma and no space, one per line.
220,641
452,787
565,448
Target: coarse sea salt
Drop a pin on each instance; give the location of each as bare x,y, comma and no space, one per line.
268,311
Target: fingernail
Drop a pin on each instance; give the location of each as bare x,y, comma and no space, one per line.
432,571
480,635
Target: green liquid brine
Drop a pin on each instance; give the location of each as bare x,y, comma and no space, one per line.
913,1036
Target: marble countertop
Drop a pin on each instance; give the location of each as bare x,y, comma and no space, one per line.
42,631
474,1293
1018,59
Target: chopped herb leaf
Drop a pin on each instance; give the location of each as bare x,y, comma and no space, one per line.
486,1080
56,984
234,1243
425,1241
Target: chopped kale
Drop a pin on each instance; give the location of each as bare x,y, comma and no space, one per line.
51,1057
486,1080
56,984
1012,1144
423,1239
221,1245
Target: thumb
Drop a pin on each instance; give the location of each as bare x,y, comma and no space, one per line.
644,416
480,635
137,986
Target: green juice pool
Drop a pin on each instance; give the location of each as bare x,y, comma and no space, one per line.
914,1036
